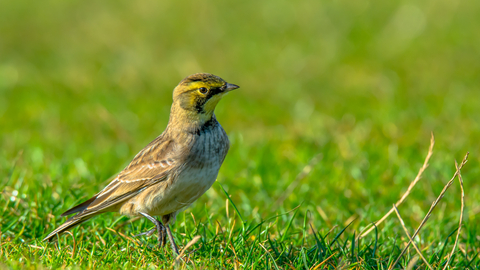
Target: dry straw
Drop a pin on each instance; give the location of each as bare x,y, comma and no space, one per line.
434,204
461,216
302,175
370,228
410,238
189,244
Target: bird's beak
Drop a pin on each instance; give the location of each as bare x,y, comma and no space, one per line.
231,87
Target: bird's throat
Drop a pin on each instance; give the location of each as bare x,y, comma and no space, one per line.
189,120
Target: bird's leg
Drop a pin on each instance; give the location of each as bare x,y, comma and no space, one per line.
172,241
166,220
158,227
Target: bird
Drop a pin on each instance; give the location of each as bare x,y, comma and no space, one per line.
172,171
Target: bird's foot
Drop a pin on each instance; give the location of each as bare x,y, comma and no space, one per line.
148,233
162,236
162,232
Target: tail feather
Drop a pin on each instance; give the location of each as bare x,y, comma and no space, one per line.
70,223
73,221
80,207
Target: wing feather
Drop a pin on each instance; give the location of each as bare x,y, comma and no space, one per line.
150,166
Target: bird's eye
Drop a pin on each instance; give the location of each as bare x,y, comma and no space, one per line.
203,90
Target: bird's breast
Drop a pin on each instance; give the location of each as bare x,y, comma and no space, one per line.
197,174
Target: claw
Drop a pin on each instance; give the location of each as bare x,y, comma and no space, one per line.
162,233
162,237
147,233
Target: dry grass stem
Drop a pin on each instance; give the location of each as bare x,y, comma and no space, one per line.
434,204
226,208
460,180
124,236
304,173
323,215
324,261
126,222
410,238
74,243
269,254
37,247
412,263
189,244
331,230
417,178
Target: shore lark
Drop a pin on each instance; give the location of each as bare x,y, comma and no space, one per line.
172,171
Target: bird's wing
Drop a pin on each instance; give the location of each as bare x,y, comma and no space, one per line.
152,165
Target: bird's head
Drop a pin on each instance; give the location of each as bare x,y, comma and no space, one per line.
197,95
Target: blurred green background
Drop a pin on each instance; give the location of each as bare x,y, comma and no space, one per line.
85,85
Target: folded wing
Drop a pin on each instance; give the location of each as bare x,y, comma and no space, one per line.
150,166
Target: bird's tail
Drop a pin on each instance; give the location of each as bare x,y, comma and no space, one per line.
70,223
79,218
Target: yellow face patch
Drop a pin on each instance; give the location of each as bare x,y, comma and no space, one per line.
212,103
199,94
202,98
208,85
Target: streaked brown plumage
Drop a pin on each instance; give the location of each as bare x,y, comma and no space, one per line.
172,171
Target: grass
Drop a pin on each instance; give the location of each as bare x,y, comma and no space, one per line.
332,123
